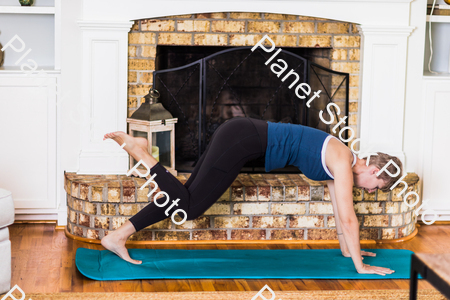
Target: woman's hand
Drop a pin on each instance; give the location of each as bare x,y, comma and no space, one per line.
368,253
363,253
368,269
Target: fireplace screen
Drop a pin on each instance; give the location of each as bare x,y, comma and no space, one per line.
237,82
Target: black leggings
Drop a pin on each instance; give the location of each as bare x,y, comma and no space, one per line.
233,144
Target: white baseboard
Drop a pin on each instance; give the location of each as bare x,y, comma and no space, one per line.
442,215
60,216
40,217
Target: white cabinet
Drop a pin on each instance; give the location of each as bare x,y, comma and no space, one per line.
28,119
29,128
436,144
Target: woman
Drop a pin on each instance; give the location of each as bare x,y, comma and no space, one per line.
317,154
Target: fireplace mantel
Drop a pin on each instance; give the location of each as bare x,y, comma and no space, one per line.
104,26
370,12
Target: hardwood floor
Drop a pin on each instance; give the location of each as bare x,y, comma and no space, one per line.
43,260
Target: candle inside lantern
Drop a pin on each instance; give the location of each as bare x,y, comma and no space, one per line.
155,152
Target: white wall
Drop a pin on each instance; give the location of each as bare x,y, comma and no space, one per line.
42,45
413,102
440,33
69,145
71,82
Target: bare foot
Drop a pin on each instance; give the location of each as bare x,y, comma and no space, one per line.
135,146
114,243
130,142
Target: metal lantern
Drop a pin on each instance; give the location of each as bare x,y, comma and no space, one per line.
153,122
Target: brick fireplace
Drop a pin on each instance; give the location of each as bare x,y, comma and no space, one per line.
256,206
176,41
341,39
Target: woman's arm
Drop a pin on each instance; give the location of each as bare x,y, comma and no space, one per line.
337,220
343,187
342,243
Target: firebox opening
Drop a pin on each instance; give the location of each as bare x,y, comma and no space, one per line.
203,86
176,56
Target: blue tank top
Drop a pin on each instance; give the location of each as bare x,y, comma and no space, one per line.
299,146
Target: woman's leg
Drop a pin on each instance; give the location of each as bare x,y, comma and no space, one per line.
238,141
136,147
202,157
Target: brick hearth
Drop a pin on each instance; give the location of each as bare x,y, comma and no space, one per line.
255,207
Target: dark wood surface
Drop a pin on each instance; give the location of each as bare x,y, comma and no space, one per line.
43,260
439,263
433,267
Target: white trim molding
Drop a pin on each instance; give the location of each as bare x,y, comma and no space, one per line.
435,143
385,29
100,25
382,89
103,104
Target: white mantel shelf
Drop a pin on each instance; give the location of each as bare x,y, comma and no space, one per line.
438,19
36,10
440,76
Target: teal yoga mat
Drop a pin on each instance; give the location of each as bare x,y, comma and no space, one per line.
208,264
